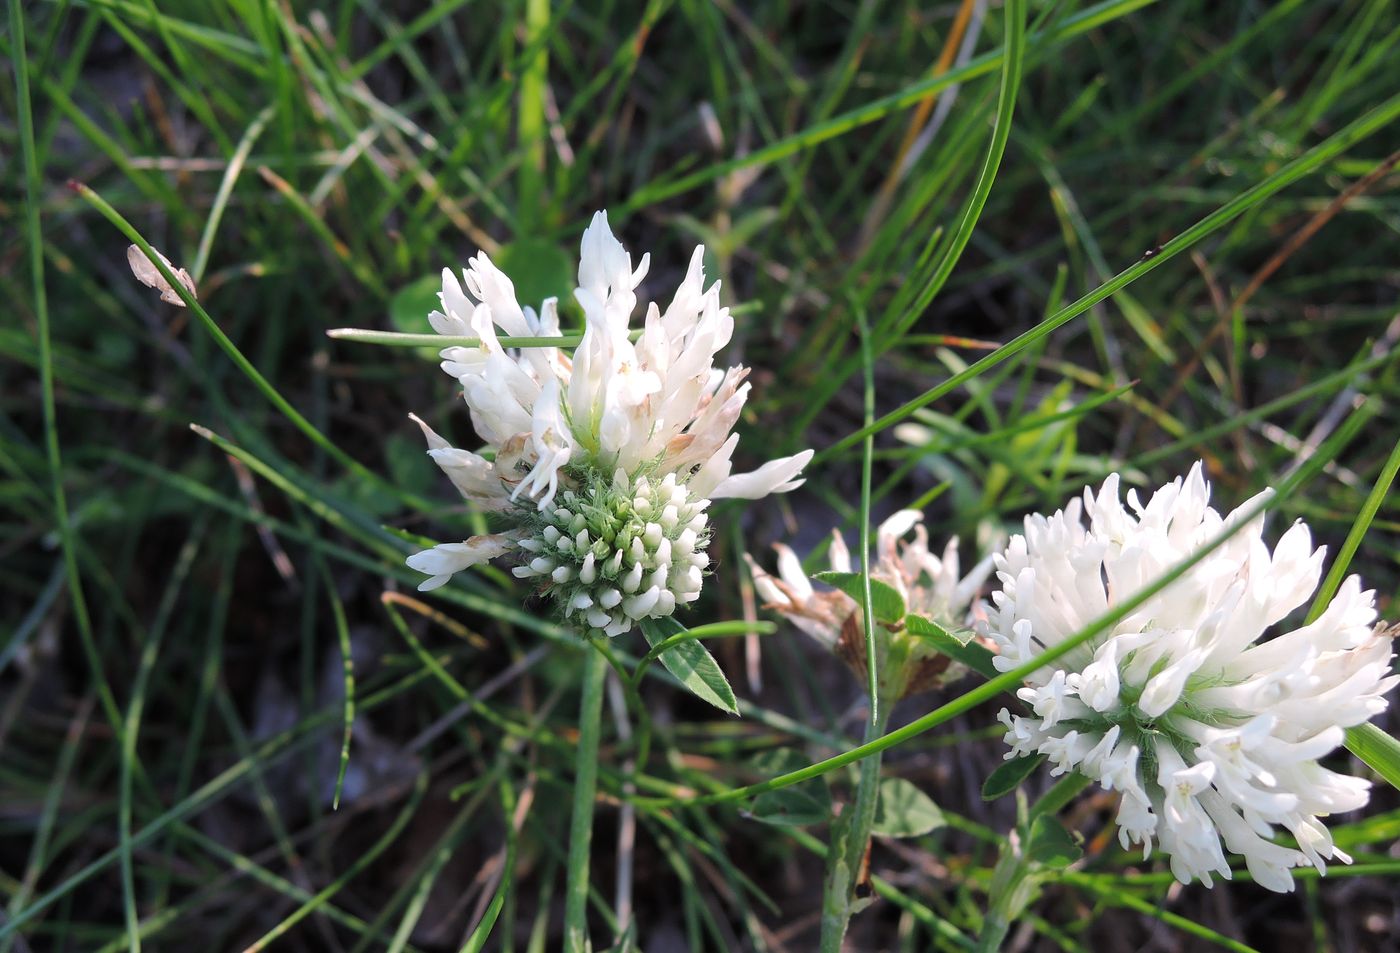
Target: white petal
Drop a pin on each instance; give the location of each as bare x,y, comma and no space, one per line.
775,476
448,558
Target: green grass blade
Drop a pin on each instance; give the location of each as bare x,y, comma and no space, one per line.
867,462
34,245
225,192
1374,120
1379,750
592,678
132,728
381,844
263,385
347,670
1011,63
1359,527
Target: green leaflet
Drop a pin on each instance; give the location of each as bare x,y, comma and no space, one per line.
691,663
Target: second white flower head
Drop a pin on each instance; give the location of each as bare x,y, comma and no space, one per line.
1209,732
616,418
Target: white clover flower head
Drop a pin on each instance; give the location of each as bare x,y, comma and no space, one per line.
618,428
932,586
1210,732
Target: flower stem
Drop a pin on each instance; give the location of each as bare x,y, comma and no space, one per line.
1054,800
849,839
1014,880
585,787
1008,896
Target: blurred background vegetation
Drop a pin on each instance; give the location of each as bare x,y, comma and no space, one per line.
172,677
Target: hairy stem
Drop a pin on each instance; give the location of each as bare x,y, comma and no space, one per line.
849,841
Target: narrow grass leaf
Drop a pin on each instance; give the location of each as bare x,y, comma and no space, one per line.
1379,750
1359,527
347,671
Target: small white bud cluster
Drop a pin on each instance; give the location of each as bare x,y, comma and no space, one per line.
614,552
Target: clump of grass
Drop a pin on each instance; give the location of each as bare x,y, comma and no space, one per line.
1184,251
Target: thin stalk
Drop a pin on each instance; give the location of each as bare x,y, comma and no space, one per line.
34,242
405,339
872,674
711,630
585,787
1054,800
845,861
530,126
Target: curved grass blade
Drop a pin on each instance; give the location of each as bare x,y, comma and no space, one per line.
263,385
1012,61
1359,527
385,840
347,661
216,210
1318,155
712,630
